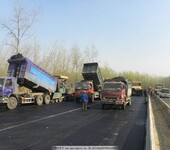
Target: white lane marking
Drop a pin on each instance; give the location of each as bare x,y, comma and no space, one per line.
44,118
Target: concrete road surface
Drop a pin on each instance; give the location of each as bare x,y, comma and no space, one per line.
42,127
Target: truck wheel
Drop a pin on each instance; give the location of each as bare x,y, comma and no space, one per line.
12,103
123,106
47,99
39,100
103,106
130,102
141,93
60,99
92,98
133,92
77,99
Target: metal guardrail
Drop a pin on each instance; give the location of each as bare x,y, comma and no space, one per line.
150,142
165,106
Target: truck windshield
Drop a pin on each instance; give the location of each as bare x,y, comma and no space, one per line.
158,87
1,82
136,84
82,86
113,86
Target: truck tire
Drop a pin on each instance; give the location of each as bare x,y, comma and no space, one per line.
92,98
12,103
77,99
39,100
141,93
47,99
133,92
60,99
123,106
103,106
130,102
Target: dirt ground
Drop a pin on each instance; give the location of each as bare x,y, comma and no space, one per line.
162,126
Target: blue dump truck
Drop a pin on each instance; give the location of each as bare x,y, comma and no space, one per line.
27,83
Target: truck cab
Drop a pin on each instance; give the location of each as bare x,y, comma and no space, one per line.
84,86
137,88
8,92
7,88
116,91
113,93
61,88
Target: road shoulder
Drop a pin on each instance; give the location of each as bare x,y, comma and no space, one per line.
161,129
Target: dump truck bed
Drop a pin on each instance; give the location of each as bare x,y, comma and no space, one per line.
91,71
31,75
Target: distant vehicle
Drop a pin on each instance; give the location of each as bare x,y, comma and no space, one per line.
157,88
137,88
164,93
116,91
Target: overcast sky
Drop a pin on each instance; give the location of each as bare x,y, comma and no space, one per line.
130,35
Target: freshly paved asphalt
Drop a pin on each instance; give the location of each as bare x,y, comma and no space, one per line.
40,128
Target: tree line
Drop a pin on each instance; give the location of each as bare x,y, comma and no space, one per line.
18,37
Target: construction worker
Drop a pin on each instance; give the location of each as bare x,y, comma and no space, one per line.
84,99
146,95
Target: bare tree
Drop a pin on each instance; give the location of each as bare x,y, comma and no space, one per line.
32,51
3,58
48,60
1,53
19,26
57,60
36,54
108,72
76,59
91,53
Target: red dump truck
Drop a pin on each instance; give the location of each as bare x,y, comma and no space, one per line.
91,83
116,91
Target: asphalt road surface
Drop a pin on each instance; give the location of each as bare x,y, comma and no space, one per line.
66,124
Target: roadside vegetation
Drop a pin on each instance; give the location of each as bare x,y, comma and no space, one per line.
18,37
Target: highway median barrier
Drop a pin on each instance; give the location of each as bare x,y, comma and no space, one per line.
165,107
150,142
